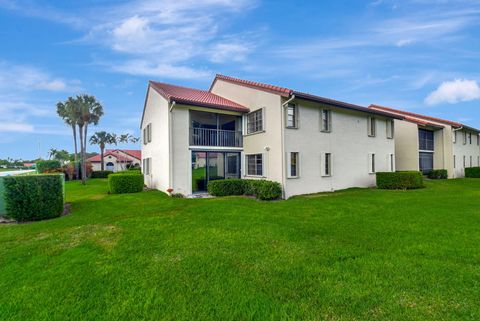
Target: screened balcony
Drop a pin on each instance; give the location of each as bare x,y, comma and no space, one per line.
210,129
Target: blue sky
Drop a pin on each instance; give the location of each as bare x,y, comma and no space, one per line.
417,55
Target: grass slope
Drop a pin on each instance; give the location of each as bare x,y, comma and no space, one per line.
351,255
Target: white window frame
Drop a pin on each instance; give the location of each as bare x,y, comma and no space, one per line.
326,158
262,157
371,163
261,130
295,108
372,126
328,129
289,165
390,125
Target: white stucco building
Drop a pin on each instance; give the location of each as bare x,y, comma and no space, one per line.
425,143
244,129
116,159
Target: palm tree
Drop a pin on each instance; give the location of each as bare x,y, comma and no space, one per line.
90,112
101,139
52,153
69,111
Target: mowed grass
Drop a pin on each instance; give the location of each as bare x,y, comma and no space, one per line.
359,254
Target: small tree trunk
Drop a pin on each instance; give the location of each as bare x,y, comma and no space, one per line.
102,147
75,156
80,129
84,176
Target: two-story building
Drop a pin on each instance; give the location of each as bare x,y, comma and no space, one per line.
425,143
245,129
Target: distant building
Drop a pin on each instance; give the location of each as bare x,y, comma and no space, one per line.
117,159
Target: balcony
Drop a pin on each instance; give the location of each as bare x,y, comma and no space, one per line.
215,137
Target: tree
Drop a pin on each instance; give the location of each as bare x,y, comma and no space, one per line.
52,153
90,113
101,139
69,111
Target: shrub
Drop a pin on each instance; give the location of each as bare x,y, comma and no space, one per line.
399,180
101,174
125,183
472,172
34,197
438,174
261,189
46,166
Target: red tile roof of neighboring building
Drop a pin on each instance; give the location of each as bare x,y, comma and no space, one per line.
117,153
286,92
407,113
196,97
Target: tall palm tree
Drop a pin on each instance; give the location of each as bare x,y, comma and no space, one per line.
69,111
90,113
101,139
52,153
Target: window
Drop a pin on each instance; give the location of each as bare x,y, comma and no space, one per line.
147,165
454,136
426,162
326,164
371,126
255,165
478,160
292,163
454,161
464,161
478,140
371,163
471,163
390,127
464,138
326,125
292,116
147,134
255,121
470,138
391,162
425,139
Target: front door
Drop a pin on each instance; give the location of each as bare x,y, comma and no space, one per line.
210,166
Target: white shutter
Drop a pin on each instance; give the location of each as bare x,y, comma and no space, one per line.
288,162
370,156
264,164
322,164
263,119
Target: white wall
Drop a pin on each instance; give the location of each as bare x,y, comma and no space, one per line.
156,113
349,145
467,150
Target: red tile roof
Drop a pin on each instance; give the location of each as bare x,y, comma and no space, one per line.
116,153
409,115
285,92
196,97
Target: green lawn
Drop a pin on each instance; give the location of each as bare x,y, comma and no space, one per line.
8,169
351,255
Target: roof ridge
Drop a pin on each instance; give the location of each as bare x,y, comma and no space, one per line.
284,91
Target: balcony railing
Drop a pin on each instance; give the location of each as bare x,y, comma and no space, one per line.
215,137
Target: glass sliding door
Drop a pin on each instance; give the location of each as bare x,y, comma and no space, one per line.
210,166
426,162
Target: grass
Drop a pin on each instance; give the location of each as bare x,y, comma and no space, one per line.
358,254
8,169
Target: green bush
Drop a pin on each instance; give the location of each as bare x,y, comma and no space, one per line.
438,174
261,189
125,183
472,172
34,197
400,180
47,166
101,174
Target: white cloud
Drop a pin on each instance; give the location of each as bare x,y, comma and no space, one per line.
160,70
454,91
16,127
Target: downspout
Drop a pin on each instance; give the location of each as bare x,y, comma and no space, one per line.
454,130
282,127
170,146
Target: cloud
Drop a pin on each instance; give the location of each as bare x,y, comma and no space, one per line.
454,91
27,78
16,127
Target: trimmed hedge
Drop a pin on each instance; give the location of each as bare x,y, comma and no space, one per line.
121,183
101,174
261,189
472,172
34,197
46,166
438,174
400,180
